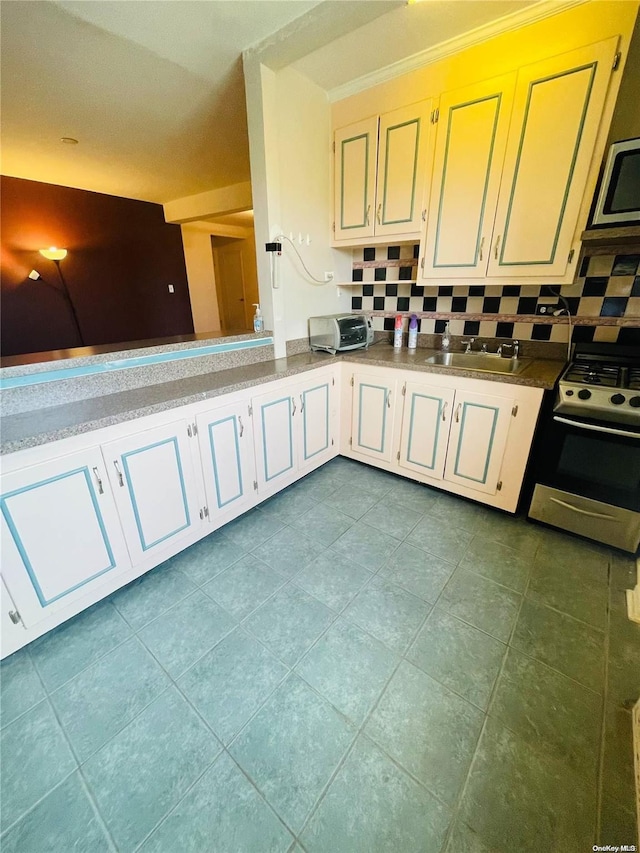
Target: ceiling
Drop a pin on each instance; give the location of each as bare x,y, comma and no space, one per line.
153,89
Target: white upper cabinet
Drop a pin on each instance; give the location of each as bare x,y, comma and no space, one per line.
380,171
556,114
472,137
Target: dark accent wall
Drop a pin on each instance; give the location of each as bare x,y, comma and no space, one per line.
122,256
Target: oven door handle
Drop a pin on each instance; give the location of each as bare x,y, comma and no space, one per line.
595,428
583,511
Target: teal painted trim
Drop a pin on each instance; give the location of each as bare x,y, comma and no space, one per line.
128,363
216,478
593,66
435,441
495,411
267,475
44,601
363,224
143,543
324,387
384,416
384,220
498,98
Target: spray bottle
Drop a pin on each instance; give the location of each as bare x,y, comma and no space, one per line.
413,332
397,332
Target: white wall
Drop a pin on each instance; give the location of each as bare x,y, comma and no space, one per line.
201,277
289,122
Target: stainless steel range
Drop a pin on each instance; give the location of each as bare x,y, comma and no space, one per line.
587,456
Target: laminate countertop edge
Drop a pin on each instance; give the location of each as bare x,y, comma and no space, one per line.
42,426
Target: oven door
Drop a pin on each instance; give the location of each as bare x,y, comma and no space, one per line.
593,459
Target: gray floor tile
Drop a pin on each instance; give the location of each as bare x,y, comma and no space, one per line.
393,812
555,583
222,812
501,527
352,501
43,829
519,797
349,668
618,825
438,537
563,643
95,705
482,603
544,706
251,529
343,468
428,729
35,758
231,682
244,586
374,481
143,772
319,485
565,550
20,686
289,623
291,748
389,613
366,545
333,579
417,571
152,594
207,558
392,518
459,656
288,551
287,505
74,645
183,634
462,839
323,523
618,777
457,512
498,562
414,496
624,654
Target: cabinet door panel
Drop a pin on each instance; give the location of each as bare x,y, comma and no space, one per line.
315,415
153,483
425,429
274,441
477,440
356,149
61,533
402,163
372,424
470,146
556,115
226,449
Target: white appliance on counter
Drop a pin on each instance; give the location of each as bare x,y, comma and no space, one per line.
340,332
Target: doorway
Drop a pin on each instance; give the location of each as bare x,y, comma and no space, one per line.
234,262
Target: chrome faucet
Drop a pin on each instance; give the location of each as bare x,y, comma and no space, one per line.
468,345
516,349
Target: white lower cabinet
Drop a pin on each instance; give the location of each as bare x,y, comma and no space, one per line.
372,416
153,482
225,437
61,536
425,429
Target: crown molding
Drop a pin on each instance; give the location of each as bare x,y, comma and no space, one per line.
537,12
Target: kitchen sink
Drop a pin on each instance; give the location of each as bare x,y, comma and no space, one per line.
485,361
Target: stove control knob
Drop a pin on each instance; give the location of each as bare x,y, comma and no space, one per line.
617,399
635,402
584,394
569,393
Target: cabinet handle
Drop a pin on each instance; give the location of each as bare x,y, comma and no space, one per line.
444,410
118,472
481,247
388,399
294,406
301,403
98,481
241,427
366,218
497,246
458,413
379,211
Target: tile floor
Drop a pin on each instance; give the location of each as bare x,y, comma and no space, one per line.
361,664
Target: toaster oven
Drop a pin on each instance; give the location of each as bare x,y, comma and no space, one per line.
340,332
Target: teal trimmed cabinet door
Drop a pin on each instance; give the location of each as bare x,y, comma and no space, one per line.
373,416
61,536
425,429
477,440
316,444
274,434
225,436
355,159
153,482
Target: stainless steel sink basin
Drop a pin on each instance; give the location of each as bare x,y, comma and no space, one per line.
487,362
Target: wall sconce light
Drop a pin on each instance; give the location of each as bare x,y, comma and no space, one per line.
56,255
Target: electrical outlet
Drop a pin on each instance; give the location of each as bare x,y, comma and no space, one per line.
172,289
547,307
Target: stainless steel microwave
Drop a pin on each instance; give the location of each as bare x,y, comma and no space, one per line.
618,201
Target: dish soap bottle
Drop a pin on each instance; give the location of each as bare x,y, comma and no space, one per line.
445,343
258,319
413,332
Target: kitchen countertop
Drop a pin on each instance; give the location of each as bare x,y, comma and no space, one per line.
30,429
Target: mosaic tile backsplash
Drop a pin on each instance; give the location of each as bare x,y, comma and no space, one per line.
607,287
